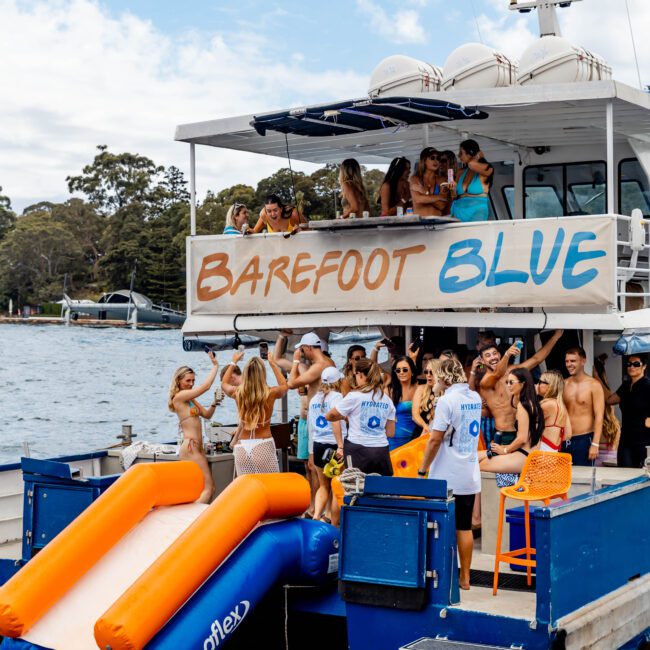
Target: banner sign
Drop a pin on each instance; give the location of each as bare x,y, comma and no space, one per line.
564,262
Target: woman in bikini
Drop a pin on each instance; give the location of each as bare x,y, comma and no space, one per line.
557,426
473,185
275,216
182,401
429,190
253,445
510,459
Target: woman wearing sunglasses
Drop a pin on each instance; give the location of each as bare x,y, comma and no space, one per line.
473,186
401,390
429,191
425,398
633,397
509,459
557,425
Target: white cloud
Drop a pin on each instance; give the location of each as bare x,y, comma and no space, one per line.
600,26
404,26
75,77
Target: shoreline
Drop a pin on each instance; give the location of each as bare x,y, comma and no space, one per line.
83,322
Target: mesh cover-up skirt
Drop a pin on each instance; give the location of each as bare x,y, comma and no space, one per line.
255,456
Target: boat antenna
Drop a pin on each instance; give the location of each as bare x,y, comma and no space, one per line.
636,58
478,29
293,186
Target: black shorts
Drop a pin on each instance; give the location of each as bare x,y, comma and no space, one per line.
319,449
464,508
371,460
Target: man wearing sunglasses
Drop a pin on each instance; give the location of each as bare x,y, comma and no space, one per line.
633,397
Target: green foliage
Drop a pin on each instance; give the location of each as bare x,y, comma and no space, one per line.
134,214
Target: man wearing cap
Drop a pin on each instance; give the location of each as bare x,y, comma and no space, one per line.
310,348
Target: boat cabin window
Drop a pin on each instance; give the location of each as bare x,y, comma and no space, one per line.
508,192
114,298
564,190
633,187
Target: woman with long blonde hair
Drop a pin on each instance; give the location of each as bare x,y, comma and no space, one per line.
355,196
557,425
371,420
182,401
253,446
424,400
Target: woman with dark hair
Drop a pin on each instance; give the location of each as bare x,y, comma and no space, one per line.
275,216
510,459
429,190
394,191
354,353
401,390
473,185
371,420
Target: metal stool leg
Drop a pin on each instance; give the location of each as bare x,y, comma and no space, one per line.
497,559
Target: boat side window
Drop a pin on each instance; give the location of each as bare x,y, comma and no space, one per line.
565,189
633,187
508,192
117,298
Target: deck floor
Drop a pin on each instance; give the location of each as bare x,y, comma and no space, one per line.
515,604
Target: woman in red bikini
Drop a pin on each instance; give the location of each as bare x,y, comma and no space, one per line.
557,426
182,401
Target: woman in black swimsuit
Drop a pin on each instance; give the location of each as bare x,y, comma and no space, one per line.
510,459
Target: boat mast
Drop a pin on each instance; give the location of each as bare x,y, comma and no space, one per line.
546,15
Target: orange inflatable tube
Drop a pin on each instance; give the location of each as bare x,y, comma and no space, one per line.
405,461
162,589
50,574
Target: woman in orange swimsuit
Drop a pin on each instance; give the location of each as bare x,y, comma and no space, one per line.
557,426
253,445
182,401
275,216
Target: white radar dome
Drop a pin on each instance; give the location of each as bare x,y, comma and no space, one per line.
552,59
474,66
403,75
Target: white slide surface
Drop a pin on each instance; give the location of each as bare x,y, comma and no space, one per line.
69,624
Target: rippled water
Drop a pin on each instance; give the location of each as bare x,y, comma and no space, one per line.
69,389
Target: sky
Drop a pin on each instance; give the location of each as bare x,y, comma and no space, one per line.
82,73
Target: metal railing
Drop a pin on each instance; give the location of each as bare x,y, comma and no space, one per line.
633,259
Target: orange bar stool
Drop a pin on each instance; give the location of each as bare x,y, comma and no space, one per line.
546,475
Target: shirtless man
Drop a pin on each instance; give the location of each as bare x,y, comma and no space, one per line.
585,401
493,385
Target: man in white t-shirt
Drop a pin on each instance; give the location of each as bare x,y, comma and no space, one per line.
451,453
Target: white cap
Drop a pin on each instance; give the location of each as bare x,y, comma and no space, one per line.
330,375
311,338
324,346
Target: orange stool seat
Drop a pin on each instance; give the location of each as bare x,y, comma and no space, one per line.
546,475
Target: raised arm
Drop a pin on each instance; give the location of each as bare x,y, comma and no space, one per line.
193,393
491,379
374,353
483,169
282,386
542,353
228,388
278,352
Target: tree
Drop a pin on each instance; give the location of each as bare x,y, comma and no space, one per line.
113,181
34,257
7,216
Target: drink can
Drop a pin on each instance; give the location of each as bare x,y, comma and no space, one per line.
353,215
338,214
400,211
409,211
450,175
365,214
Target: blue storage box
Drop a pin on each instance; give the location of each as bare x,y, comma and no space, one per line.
515,517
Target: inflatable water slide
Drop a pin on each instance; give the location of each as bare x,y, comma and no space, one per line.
145,567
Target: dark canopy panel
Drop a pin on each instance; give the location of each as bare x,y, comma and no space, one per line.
364,115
